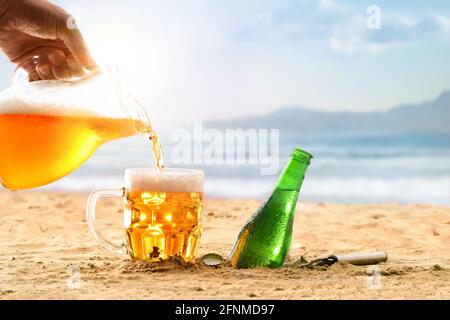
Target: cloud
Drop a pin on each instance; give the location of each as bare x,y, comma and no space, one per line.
349,34
398,30
342,28
443,22
331,7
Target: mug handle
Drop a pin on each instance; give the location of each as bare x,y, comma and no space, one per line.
90,217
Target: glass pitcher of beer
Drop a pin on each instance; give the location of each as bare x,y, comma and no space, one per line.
49,128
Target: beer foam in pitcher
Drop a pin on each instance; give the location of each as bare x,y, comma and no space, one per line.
165,181
42,98
21,106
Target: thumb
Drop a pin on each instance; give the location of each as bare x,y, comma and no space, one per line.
73,39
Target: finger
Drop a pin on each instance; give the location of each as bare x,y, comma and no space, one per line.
57,58
31,70
44,70
59,66
33,76
75,67
76,44
61,72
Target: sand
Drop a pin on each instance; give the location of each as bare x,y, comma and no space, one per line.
48,253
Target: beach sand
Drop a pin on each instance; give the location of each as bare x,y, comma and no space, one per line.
44,241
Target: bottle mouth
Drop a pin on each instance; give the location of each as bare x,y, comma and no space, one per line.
301,155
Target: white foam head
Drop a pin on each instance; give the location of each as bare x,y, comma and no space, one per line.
93,96
42,98
20,106
168,180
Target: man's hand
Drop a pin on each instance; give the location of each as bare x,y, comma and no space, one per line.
31,28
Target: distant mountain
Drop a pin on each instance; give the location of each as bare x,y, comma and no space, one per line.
427,117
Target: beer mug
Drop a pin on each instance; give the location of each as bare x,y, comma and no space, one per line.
161,213
49,128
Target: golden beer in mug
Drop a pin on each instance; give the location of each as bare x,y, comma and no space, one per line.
161,213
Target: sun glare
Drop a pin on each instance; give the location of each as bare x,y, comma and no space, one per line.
139,61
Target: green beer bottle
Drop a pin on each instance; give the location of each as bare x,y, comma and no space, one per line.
265,239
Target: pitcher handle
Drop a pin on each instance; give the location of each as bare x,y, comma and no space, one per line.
90,217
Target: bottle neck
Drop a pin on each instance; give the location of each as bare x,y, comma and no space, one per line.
294,172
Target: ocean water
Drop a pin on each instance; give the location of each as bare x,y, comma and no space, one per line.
412,168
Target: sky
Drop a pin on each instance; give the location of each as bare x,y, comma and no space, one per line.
199,59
